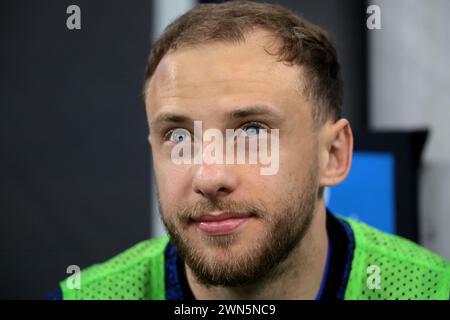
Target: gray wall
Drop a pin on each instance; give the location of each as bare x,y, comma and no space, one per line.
409,88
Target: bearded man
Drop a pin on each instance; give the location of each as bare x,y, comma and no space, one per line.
234,233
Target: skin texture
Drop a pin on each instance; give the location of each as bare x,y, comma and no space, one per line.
207,83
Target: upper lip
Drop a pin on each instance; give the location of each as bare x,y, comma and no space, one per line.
221,215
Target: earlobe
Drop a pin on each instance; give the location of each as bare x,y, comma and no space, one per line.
339,151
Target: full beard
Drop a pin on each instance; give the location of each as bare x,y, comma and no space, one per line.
217,262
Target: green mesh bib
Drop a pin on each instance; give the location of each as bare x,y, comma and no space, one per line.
405,269
383,267
136,274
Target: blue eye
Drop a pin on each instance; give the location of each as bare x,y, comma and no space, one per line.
252,129
179,135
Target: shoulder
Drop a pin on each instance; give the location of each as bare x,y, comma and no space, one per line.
137,273
387,266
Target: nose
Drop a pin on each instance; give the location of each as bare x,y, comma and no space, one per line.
214,181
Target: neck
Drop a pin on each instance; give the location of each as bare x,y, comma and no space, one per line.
297,277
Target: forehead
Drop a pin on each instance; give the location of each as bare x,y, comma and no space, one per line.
223,72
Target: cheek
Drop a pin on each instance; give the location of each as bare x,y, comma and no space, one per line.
172,182
296,161
264,189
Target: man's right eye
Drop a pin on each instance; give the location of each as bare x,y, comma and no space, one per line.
178,135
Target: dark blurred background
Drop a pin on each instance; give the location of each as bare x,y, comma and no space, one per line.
75,163
76,182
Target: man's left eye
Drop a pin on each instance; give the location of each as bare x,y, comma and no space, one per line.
252,129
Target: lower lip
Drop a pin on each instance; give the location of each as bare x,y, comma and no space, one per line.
222,227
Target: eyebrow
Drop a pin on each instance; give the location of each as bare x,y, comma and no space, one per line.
170,117
254,110
237,113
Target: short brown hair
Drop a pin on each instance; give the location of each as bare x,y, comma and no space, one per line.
303,43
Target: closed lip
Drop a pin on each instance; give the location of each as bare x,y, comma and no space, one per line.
220,216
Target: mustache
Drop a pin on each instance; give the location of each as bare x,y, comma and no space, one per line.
197,210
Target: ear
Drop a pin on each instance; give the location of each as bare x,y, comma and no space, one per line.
336,152
149,138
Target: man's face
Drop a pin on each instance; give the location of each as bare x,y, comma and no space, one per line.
231,224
